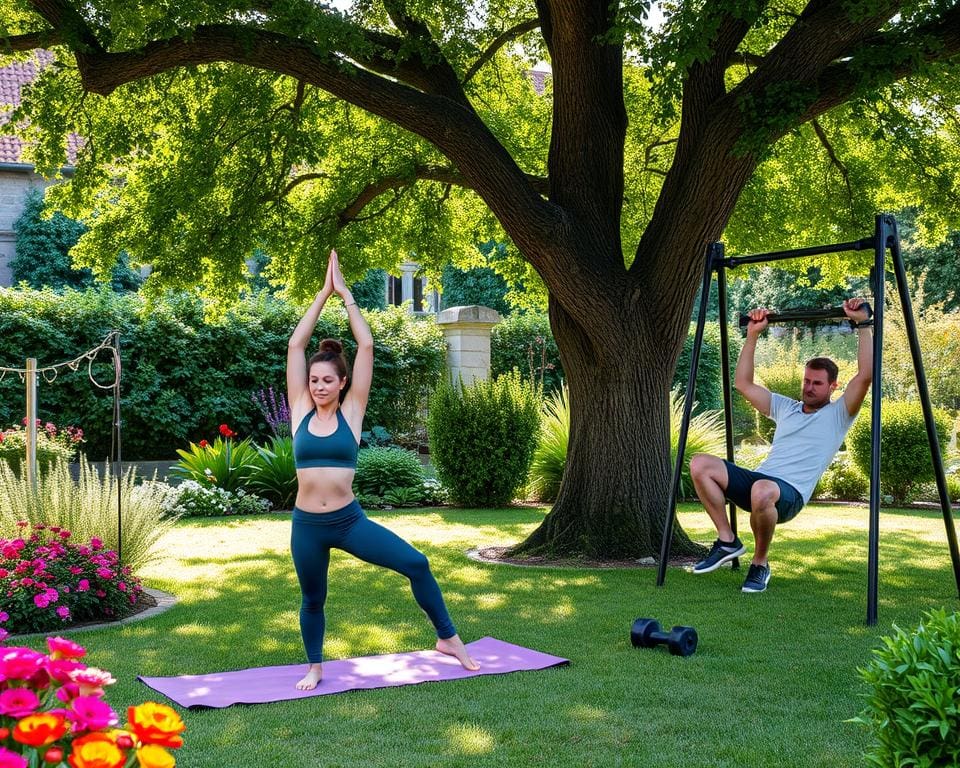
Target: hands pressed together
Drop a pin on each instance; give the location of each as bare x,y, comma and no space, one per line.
334,282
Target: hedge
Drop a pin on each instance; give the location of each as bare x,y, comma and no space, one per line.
184,374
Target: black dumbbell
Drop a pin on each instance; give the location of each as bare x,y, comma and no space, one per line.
645,633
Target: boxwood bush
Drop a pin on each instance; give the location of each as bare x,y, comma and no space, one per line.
482,438
905,462
912,706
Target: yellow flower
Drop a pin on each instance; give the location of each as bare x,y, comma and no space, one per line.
154,756
154,723
96,750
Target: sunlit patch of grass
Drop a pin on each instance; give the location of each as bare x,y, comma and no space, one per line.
469,739
791,653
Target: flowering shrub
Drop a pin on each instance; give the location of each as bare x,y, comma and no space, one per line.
225,462
53,444
191,499
275,410
52,711
46,580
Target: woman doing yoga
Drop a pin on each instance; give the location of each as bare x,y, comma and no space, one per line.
326,413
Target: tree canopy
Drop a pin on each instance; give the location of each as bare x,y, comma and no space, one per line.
391,127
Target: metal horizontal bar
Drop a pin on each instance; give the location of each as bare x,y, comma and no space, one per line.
813,250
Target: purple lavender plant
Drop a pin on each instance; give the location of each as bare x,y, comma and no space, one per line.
275,410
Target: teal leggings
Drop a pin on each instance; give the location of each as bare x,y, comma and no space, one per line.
313,536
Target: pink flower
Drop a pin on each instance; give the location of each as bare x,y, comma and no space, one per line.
96,543
10,759
100,593
91,714
76,570
18,702
83,585
63,612
4,616
92,679
68,692
64,534
104,573
61,669
122,586
27,582
3,635
18,663
52,594
4,573
41,600
61,648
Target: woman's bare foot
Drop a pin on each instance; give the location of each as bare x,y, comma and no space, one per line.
453,646
313,676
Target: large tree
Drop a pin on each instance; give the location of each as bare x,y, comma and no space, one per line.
613,214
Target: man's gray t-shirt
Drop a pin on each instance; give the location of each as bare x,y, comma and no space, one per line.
804,444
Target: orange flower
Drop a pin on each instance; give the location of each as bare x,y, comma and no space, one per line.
156,724
96,750
154,756
40,729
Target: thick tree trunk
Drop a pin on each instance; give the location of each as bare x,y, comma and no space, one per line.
613,500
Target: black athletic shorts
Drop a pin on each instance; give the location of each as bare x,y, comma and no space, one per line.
740,481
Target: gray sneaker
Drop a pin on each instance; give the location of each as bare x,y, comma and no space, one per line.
721,552
758,576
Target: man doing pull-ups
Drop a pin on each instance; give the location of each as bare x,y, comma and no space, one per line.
808,434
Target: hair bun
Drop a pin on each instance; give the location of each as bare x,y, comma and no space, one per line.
331,345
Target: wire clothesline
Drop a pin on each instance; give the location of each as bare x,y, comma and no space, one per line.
50,372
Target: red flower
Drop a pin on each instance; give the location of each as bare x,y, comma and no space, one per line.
204,444
227,432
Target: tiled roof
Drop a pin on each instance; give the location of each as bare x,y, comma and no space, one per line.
12,78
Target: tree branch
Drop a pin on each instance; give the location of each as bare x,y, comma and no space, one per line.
517,30
825,141
30,41
937,41
441,174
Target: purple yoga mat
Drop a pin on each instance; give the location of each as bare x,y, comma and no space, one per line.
266,684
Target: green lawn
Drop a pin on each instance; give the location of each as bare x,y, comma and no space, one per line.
771,685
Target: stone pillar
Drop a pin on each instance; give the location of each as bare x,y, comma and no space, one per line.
467,333
408,271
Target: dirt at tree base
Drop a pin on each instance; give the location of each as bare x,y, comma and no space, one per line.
499,555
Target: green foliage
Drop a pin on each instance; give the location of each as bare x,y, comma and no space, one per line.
273,474
224,463
524,342
709,391
843,480
371,292
404,497
912,708
704,435
939,336
88,508
191,499
476,285
482,438
550,456
44,240
383,470
185,373
905,461
409,359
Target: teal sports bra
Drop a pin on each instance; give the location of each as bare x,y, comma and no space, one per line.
335,450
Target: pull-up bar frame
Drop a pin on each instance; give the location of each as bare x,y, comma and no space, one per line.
885,237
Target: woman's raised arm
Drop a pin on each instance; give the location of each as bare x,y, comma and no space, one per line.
298,394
